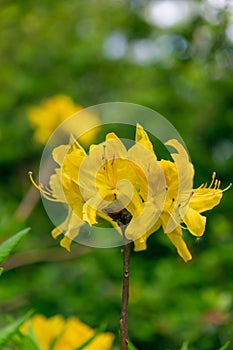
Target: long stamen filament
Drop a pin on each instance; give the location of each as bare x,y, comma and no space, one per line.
47,194
178,224
227,188
32,181
213,178
215,185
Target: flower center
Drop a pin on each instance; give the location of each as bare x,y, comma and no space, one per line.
122,217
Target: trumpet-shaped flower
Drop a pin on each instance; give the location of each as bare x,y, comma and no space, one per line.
65,334
110,182
184,204
131,189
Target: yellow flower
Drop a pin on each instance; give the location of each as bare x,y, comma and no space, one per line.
187,210
183,203
110,182
69,333
130,189
53,111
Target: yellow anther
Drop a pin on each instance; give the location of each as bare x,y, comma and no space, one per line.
213,179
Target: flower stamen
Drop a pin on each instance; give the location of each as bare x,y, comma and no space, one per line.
213,179
227,188
178,224
113,158
47,194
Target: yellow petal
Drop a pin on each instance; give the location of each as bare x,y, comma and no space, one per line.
148,170
73,197
56,232
177,240
77,333
65,243
95,173
89,214
171,176
72,162
114,147
75,145
142,223
59,153
128,197
184,170
181,152
72,231
70,227
55,184
141,243
142,138
69,334
169,222
44,329
195,222
179,176
104,341
205,199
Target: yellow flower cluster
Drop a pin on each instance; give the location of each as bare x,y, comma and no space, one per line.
69,334
54,111
131,189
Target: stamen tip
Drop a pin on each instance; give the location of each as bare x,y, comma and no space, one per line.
227,188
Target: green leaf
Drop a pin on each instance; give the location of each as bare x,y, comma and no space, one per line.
55,340
33,338
1,270
27,343
131,346
7,332
98,331
225,346
185,346
9,245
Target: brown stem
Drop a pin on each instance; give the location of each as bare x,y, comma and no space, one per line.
125,293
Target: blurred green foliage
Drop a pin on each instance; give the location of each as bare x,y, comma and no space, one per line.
101,51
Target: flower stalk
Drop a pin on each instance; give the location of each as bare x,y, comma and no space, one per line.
130,187
125,292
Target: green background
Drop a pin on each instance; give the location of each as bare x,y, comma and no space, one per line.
103,51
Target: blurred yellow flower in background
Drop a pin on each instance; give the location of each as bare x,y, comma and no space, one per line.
69,334
54,111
